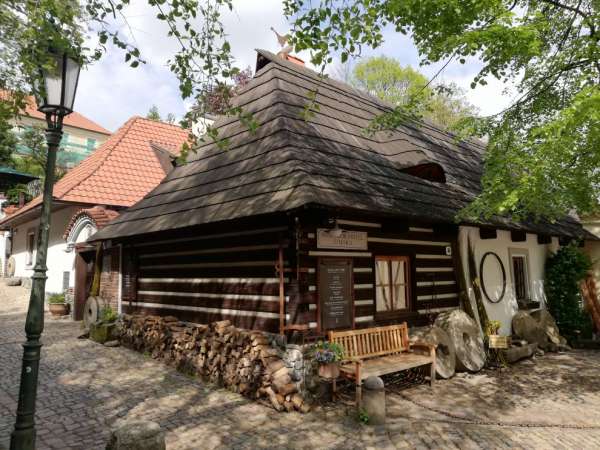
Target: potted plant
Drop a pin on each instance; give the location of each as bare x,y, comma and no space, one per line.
57,305
494,339
328,355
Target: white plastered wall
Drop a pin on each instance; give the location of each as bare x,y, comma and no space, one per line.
502,245
59,260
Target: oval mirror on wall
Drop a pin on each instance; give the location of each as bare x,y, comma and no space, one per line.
493,277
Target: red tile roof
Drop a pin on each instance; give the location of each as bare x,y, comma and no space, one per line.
73,120
122,170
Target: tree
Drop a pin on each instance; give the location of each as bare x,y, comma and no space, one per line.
153,114
406,87
171,118
203,55
564,271
544,149
8,139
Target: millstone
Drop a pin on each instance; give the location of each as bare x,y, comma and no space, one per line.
445,354
466,337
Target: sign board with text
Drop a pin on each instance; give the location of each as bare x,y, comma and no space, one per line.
341,239
335,293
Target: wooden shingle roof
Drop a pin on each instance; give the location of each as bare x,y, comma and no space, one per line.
325,159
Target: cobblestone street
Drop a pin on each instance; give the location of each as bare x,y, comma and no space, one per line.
85,387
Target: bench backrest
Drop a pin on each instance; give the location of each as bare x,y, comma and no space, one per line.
371,342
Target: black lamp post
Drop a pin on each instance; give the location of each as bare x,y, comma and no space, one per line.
56,99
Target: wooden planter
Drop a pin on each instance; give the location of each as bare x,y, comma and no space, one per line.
59,309
329,371
103,332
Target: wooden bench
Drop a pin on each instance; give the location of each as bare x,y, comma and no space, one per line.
380,351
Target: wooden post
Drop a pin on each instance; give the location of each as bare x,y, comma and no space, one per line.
281,292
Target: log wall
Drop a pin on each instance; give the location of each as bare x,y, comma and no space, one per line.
433,275
230,273
208,277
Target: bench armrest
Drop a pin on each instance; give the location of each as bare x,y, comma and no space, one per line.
352,360
428,349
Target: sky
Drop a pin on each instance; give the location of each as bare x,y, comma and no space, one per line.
110,92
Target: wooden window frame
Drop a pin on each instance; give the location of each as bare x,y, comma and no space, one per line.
407,283
520,253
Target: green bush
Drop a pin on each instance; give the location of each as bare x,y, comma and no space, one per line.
108,315
55,299
564,271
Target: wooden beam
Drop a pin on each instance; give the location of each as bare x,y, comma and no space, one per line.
488,233
518,236
281,292
544,239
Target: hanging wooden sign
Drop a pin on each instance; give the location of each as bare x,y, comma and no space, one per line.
341,239
335,293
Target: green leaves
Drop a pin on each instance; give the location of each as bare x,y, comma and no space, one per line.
543,152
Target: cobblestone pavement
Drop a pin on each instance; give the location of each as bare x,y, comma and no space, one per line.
85,387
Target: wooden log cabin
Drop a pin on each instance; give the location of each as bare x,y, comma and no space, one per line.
307,224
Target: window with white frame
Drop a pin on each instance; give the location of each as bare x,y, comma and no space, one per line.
519,266
392,286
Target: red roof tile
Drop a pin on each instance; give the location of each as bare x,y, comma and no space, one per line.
122,170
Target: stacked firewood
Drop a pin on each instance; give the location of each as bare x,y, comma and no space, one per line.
241,360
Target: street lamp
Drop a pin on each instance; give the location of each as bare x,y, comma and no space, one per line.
55,99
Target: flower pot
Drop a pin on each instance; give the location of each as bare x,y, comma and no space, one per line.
329,371
59,309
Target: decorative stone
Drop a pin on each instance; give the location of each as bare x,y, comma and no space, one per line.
445,354
514,354
466,337
526,327
374,384
548,324
373,400
136,435
13,282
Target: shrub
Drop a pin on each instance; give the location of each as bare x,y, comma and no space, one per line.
55,299
108,315
328,352
564,271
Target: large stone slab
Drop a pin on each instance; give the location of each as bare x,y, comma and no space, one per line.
466,337
529,329
445,353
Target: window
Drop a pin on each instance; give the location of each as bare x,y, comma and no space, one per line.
91,144
30,247
520,275
392,292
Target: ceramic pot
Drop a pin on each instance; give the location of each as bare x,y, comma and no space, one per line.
329,371
59,309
